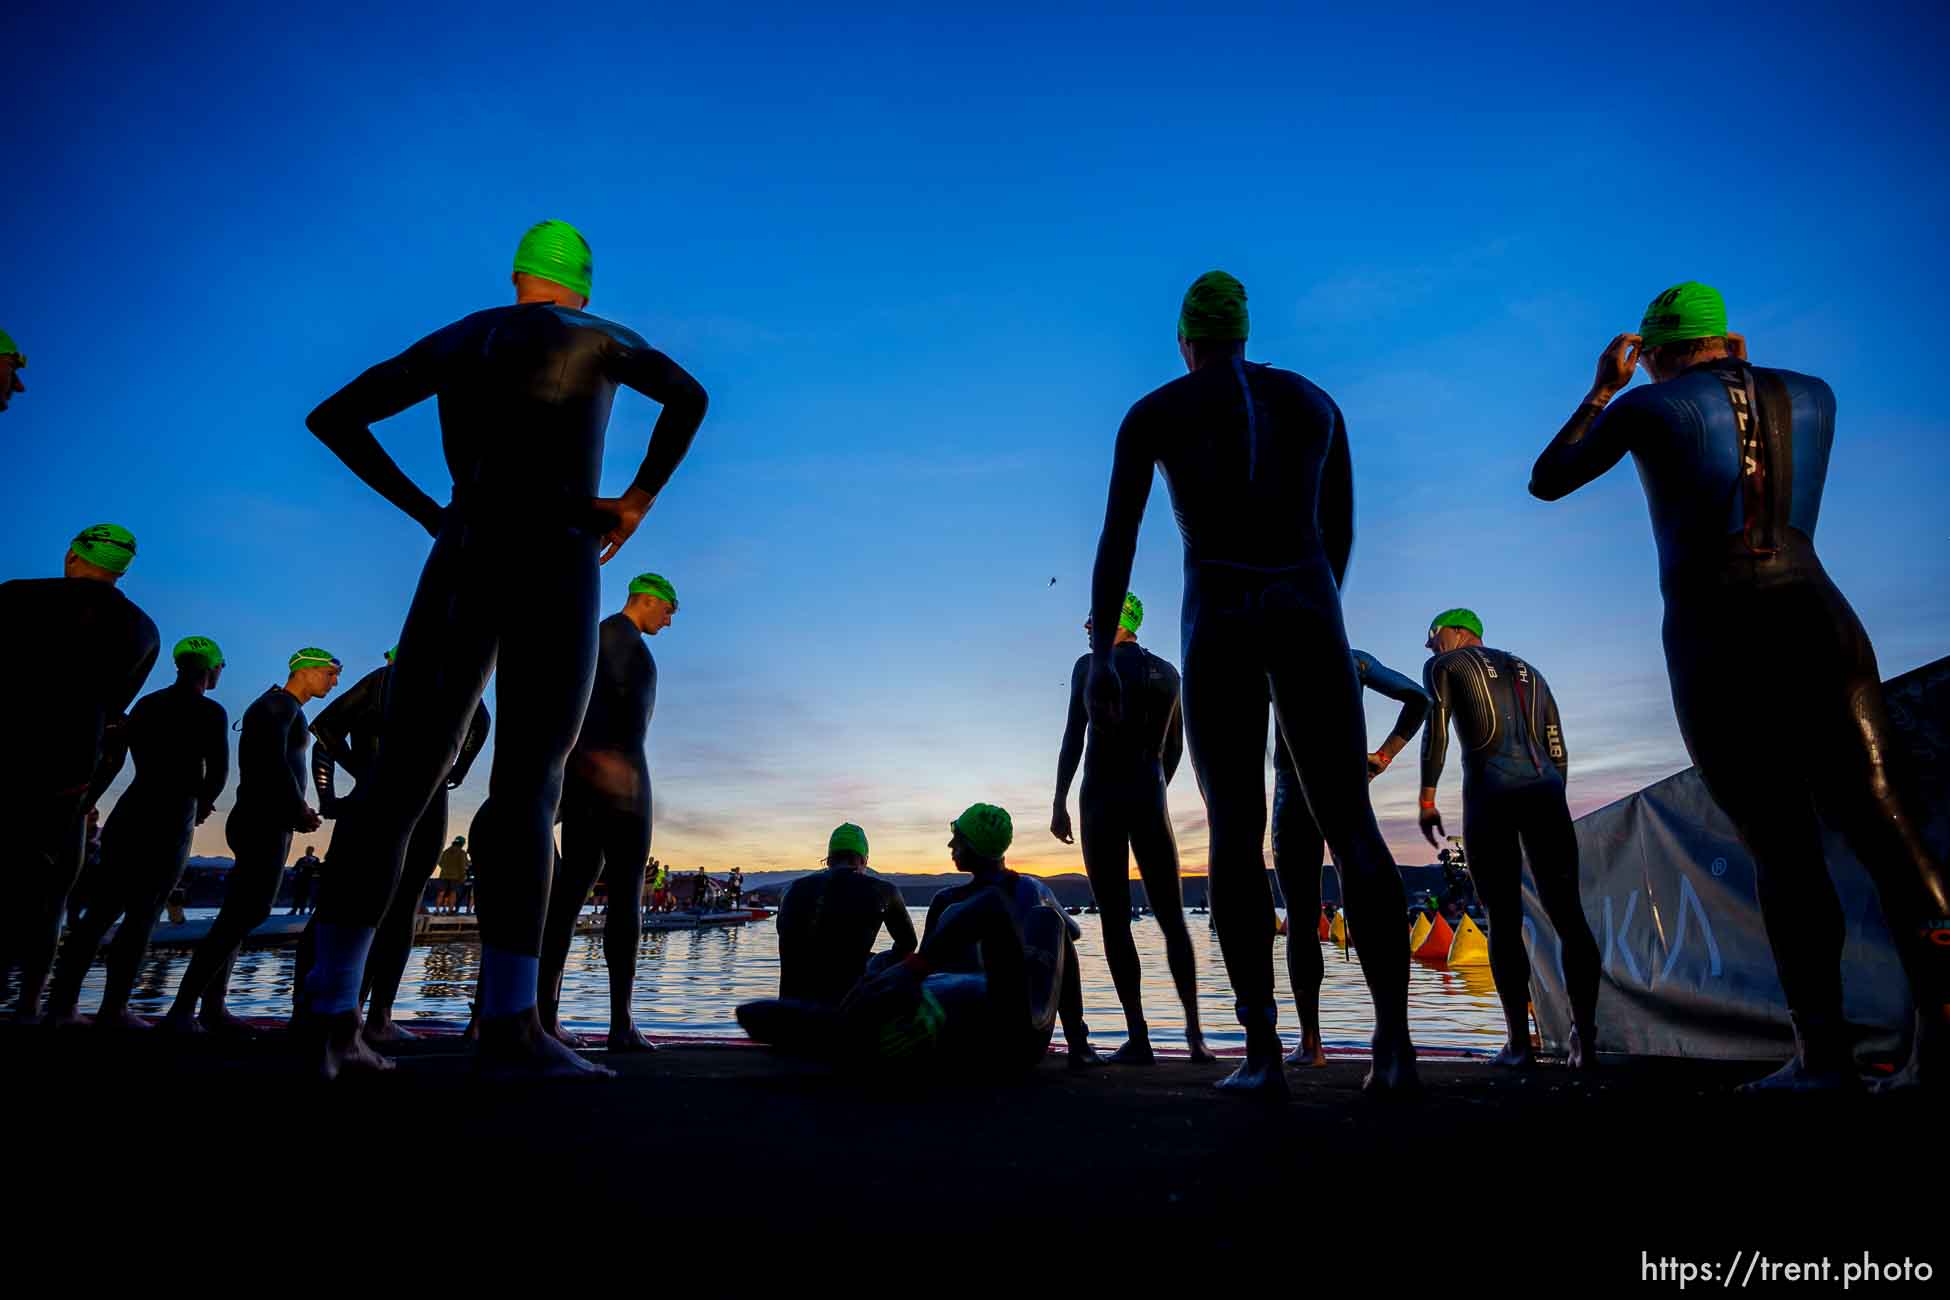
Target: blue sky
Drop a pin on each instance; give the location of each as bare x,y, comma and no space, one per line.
923,264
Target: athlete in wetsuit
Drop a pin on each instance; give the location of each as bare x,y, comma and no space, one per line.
1257,463
1774,679
1299,852
1515,764
1126,767
12,362
606,811
179,739
347,735
525,394
984,992
827,923
270,806
64,740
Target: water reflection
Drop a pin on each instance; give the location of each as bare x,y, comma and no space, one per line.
689,982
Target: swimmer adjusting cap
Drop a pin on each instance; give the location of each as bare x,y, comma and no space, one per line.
1463,618
9,348
556,251
1132,617
312,657
106,546
198,651
986,828
1686,311
1214,308
847,838
655,584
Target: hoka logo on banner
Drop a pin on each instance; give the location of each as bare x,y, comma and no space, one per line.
1692,915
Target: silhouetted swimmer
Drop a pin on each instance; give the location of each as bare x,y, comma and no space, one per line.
606,812
1256,460
12,362
347,735
827,923
1774,679
982,994
1515,765
525,395
270,806
64,737
179,739
1299,852
1126,767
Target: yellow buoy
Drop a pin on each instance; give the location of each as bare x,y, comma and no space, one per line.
1420,932
1338,931
1471,946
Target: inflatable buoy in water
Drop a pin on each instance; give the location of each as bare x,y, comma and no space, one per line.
1338,931
1435,944
1326,930
1419,931
1279,925
1471,947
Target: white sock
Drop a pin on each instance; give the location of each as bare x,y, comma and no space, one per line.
508,982
332,985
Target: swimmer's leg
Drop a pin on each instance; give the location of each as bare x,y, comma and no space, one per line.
146,899
250,891
1102,825
576,871
50,864
802,1028
1552,844
1298,856
1156,849
1490,838
392,946
624,857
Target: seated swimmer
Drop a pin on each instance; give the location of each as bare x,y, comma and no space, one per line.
828,922
996,967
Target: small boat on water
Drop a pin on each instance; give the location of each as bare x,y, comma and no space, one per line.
695,920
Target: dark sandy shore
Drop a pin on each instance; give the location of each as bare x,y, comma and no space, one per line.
1656,1156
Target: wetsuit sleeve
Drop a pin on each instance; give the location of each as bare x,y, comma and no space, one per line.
1414,701
1074,729
936,906
262,750
470,747
1174,739
900,926
343,422
1334,511
115,752
1593,440
637,365
1435,736
216,755
1131,465
331,729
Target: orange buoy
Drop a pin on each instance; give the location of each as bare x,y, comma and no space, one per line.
1326,932
1435,944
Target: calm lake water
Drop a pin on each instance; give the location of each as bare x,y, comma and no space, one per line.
690,982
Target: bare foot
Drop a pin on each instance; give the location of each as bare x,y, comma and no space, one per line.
1200,1053
567,1037
24,1017
221,1021
1926,1059
1576,1055
382,1029
1514,1057
1084,1057
181,1022
120,1019
1136,1051
516,1047
1261,1077
626,1037
1310,1053
1393,1073
1796,1076
63,1017
340,1049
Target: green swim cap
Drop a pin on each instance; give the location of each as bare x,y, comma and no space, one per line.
1686,311
1133,616
847,838
655,584
987,829
1214,308
9,348
392,654
557,252
1463,618
312,657
198,650
106,546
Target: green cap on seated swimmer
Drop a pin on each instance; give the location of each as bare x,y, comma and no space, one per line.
556,251
1686,311
106,546
655,584
9,348
312,657
847,838
987,829
1214,308
1463,618
199,651
1132,618
392,654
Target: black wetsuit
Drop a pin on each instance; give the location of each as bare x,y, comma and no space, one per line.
179,739
62,746
1126,768
606,809
1774,679
1256,460
347,732
827,924
525,395
1515,764
270,807
1299,852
